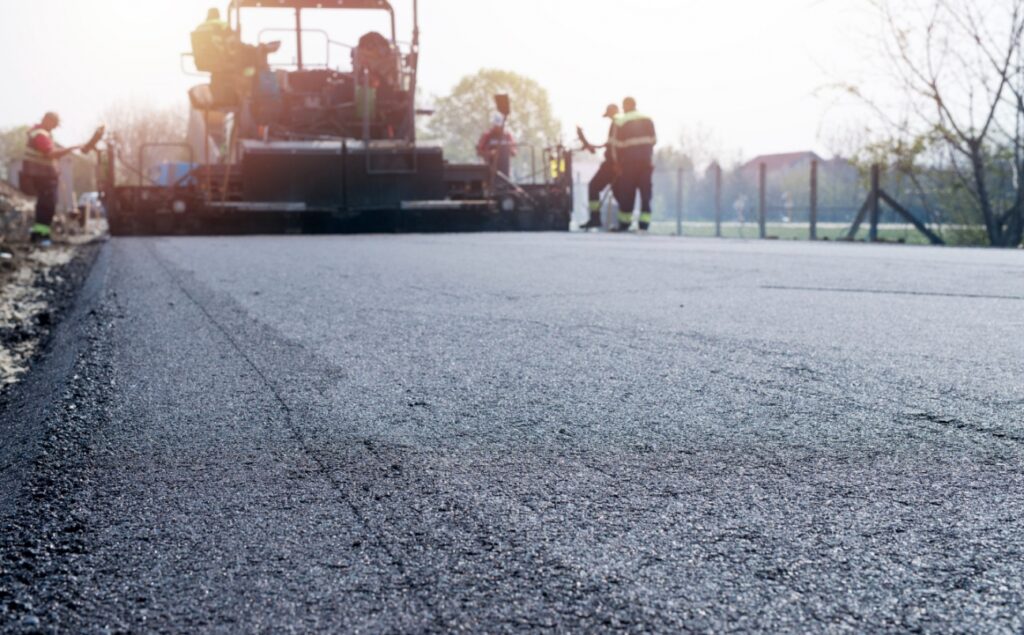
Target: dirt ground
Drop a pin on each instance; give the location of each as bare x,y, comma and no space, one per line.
36,285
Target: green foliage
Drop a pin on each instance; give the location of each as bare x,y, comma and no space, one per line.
135,125
670,163
12,146
461,117
12,143
670,157
924,176
958,142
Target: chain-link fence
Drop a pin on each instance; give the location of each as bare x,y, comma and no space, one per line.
787,198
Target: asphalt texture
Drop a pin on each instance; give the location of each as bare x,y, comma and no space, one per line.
526,432
57,290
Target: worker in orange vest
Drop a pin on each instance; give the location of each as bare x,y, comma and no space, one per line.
497,146
40,176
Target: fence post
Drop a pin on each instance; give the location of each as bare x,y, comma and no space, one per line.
718,200
679,202
875,202
814,200
762,200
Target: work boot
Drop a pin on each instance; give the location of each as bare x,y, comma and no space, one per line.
592,223
40,232
625,220
645,221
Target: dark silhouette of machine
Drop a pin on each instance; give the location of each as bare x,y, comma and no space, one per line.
314,148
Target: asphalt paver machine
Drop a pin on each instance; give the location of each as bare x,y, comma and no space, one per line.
314,147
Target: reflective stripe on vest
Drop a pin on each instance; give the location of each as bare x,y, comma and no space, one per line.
557,168
214,24
622,127
218,31
637,141
35,156
219,27
629,116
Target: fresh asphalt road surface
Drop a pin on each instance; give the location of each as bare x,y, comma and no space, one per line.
518,432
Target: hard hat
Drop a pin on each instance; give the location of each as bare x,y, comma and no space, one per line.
611,111
497,119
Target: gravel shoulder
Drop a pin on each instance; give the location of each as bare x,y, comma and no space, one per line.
38,291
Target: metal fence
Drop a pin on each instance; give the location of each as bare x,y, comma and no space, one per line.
813,199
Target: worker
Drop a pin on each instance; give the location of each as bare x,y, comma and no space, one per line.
40,176
375,54
219,48
497,146
232,64
211,42
606,173
635,139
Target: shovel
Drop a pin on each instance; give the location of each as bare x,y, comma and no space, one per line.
90,145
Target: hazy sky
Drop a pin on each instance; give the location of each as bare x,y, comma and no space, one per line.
745,70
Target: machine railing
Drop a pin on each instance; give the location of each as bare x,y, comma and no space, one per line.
147,146
328,43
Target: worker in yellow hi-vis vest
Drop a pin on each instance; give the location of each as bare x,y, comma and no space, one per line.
635,139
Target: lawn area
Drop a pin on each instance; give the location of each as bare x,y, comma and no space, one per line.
800,231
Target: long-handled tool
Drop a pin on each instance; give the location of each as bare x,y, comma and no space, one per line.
90,145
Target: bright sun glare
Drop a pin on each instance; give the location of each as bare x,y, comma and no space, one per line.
747,71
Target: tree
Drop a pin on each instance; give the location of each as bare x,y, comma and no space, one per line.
959,65
12,147
462,116
12,143
132,126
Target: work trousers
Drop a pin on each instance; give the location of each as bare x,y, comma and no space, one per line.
604,177
635,177
45,189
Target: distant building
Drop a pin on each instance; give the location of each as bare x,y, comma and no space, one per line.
790,161
788,182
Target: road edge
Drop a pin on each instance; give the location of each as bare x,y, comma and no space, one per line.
27,406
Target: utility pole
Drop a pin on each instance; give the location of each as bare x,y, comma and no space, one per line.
679,202
814,200
875,201
718,200
298,35
762,200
